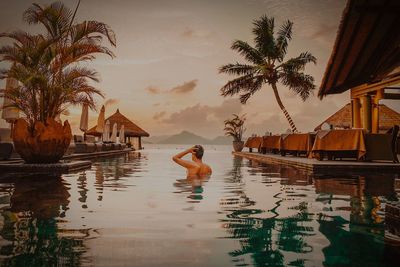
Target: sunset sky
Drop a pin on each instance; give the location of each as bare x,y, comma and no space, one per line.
165,74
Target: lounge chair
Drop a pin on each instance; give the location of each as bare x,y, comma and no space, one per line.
70,149
106,146
382,146
6,150
82,147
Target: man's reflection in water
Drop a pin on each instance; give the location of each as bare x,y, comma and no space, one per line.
31,208
192,186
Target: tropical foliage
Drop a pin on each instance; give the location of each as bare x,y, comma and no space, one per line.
48,65
235,127
266,65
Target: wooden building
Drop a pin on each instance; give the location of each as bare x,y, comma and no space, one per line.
366,59
133,133
342,119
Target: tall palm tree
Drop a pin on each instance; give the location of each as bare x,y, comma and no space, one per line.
266,65
47,66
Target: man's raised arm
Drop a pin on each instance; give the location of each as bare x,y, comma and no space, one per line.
178,159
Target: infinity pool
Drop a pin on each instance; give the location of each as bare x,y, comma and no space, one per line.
140,210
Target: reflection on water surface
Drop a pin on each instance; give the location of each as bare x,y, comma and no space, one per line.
140,208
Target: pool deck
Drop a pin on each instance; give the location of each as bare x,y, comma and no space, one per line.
69,163
325,166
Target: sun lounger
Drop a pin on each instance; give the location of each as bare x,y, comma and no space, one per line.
382,146
6,150
71,149
85,148
106,146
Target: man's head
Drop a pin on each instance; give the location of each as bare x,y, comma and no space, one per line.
198,152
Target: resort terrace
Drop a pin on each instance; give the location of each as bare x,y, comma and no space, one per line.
363,135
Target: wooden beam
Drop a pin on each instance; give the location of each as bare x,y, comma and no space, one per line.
370,88
391,96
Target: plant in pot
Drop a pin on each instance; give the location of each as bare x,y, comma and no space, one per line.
235,127
52,75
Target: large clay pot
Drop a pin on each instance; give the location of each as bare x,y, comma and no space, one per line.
47,144
238,146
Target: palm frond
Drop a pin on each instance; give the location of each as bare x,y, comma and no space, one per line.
302,84
282,41
264,36
298,63
92,30
252,89
233,87
248,52
238,69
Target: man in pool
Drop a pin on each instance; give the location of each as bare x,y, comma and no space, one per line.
196,166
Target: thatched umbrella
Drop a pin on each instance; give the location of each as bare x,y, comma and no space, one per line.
84,123
101,120
122,134
114,133
106,132
10,114
132,130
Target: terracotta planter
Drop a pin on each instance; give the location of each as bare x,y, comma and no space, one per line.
47,144
238,146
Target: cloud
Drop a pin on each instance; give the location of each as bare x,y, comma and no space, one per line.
159,115
201,118
184,88
325,34
153,90
111,101
189,33
226,109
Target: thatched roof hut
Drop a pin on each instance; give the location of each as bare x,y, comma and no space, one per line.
366,49
342,119
131,129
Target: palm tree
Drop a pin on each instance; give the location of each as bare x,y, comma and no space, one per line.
47,65
266,65
51,76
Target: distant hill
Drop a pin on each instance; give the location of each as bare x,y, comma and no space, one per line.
187,138
155,139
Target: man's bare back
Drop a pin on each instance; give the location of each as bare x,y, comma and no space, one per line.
196,166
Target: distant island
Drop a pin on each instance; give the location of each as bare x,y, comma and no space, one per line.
187,138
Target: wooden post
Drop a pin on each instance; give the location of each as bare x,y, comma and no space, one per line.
375,111
356,116
140,143
366,114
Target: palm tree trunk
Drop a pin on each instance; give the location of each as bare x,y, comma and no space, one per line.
278,99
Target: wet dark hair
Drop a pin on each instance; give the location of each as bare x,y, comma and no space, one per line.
199,151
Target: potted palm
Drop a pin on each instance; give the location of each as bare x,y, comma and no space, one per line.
235,127
51,77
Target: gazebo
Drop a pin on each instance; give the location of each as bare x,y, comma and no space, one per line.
133,133
343,119
366,59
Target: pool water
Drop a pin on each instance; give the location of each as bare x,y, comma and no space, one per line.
140,210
